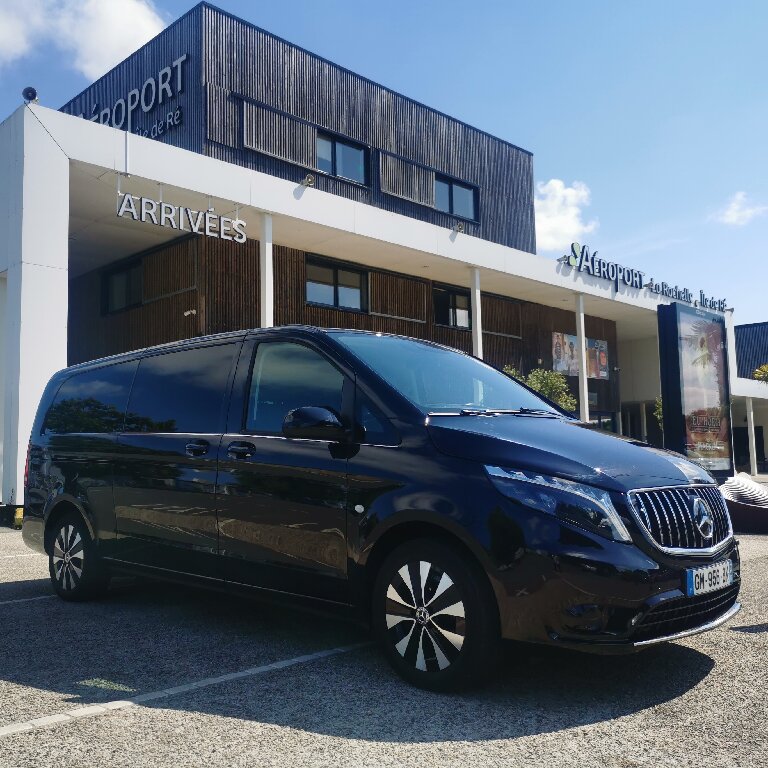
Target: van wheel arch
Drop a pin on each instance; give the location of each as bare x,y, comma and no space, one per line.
59,510
408,531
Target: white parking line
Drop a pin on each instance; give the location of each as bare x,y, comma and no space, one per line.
31,554
110,706
26,599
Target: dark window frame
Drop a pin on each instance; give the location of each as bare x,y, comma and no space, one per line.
451,182
335,140
337,266
108,274
453,292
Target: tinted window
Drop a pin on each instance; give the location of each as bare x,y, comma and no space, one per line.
436,378
334,286
350,289
350,162
341,158
453,197
123,288
320,284
181,391
288,376
451,308
442,195
92,402
464,201
324,154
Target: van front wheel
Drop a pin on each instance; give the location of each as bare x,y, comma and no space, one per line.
435,617
76,570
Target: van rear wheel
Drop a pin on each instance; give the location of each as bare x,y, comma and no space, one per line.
435,617
76,570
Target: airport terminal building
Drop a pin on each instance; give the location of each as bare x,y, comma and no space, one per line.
222,178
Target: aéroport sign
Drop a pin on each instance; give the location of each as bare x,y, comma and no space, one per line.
163,214
582,260
157,90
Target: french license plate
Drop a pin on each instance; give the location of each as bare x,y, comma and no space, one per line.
699,581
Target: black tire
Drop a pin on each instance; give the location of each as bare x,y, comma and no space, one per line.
77,572
435,616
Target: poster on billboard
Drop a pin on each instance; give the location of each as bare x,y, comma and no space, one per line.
565,358
697,412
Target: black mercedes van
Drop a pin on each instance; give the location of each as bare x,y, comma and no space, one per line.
445,501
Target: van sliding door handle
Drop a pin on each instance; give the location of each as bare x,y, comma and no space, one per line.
197,448
241,450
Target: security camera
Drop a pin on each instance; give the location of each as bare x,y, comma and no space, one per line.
29,94
308,181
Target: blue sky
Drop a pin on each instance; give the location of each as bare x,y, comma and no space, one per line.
647,120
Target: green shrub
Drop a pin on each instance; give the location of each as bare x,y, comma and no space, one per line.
551,384
761,373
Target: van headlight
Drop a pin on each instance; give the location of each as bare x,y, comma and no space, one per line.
581,505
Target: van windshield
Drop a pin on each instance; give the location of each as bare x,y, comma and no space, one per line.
439,380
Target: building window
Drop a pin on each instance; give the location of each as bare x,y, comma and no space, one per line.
454,198
341,158
336,286
451,307
122,288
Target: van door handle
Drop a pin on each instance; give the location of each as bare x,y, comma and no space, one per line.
241,450
197,448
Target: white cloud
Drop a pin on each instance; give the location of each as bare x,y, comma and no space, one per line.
94,34
559,214
739,212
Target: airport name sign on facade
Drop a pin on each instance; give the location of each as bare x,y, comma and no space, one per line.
184,219
582,260
155,91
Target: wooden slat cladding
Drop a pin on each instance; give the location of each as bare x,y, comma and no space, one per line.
279,135
502,315
169,270
398,296
249,63
169,290
229,285
403,179
501,350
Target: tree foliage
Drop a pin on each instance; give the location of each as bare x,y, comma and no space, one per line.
658,412
761,373
551,384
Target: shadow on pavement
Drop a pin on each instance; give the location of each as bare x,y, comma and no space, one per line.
147,637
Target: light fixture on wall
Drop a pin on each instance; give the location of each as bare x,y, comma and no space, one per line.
190,312
458,227
308,180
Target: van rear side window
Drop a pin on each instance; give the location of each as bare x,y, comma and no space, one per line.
91,402
181,391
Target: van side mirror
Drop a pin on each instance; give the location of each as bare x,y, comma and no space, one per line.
313,422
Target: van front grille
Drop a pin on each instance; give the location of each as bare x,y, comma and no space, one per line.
674,520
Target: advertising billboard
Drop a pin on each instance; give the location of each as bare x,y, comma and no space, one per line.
565,357
696,398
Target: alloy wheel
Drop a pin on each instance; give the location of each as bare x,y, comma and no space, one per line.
425,616
68,551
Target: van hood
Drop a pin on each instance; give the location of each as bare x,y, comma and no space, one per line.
562,448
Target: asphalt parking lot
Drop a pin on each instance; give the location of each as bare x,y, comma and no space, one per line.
158,675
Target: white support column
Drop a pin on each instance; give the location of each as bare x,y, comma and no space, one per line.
619,423
266,272
581,341
643,422
477,320
751,436
34,249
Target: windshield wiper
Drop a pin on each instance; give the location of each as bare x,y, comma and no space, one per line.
496,412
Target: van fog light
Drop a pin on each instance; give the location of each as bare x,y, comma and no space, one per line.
580,505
